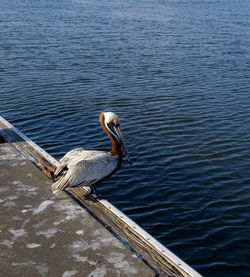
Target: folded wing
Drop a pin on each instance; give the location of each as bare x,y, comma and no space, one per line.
84,168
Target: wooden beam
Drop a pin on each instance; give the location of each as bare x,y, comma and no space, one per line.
162,260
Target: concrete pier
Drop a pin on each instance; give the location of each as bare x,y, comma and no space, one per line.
71,235
46,235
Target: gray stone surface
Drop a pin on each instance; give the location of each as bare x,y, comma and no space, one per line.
46,235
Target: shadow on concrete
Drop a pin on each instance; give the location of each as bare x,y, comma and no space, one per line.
2,140
10,135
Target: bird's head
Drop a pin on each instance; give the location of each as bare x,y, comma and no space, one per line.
112,124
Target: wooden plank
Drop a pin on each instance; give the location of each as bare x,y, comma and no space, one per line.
162,260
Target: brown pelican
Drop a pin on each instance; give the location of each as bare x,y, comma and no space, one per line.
88,167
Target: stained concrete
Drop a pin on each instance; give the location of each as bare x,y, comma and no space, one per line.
46,235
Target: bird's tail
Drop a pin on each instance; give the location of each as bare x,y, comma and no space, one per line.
60,185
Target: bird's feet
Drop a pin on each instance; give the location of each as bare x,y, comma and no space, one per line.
90,191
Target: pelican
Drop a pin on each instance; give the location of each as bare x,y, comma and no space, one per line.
86,168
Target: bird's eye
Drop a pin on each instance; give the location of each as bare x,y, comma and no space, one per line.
115,123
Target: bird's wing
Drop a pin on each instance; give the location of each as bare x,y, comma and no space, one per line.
87,171
65,160
72,154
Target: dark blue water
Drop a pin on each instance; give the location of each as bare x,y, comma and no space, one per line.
177,74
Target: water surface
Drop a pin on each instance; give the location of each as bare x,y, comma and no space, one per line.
177,74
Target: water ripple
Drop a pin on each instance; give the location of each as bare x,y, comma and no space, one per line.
180,86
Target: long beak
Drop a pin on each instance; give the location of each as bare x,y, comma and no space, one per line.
123,145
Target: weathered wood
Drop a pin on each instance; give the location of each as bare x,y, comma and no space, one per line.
162,260
129,234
